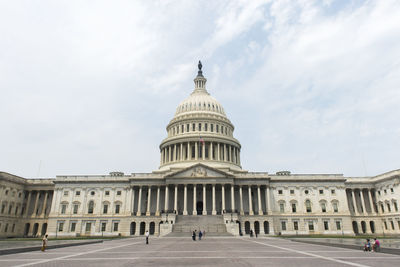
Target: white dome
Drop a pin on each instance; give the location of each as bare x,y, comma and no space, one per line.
200,101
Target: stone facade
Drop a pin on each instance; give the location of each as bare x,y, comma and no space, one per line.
200,174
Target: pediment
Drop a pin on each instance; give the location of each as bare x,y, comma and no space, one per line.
199,171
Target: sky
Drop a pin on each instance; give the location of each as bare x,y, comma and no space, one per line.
88,87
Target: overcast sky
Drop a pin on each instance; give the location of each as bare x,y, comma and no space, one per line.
88,87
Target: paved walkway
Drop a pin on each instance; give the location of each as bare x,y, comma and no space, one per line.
212,251
9,244
385,243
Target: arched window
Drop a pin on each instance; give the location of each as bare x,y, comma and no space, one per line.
308,206
90,207
323,206
335,206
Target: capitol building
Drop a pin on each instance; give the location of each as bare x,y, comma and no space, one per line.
200,184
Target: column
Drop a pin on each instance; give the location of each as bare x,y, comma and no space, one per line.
139,210
169,153
371,203
267,206
250,202
185,200
176,199
241,200
218,152
36,203
238,155
214,212
194,200
133,201
225,154
233,197
354,202
203,148
174,159
28,202
189,153
196,152
234,155
161,157
158,202
148,201
210,151
260,212
166,199
223,198
45,203
362,202
204,200
230,153
181,154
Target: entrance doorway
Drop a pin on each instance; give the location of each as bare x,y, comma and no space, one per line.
199,207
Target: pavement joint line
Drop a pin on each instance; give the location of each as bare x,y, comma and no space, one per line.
311,254
75,255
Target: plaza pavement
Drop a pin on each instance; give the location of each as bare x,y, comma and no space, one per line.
211,251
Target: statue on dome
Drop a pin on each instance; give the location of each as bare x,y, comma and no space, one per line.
199,65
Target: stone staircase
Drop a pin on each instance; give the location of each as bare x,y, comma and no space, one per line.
213,225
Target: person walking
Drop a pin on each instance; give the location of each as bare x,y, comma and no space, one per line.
200,235
194,235
147,237
44,243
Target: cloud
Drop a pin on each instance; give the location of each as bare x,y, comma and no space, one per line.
88,88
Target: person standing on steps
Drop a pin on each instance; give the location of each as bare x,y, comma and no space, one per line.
147,237
200,235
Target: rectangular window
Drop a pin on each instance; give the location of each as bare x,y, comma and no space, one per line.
335,207
16,210
391,190
296,225
282,207
326,225
193,127
321,192
105,209
212,127
73,226
78,193
385,223
199,127
3,207
217,128
107,193
283,224
392,224
323,207
9,209
115,226
333,191
280,192
63,208
76,208
291,191
187,127
117,208
65,193
338,226
88,227
118,193
60,226
394,204
183,128
293,207
311,225
103,226
206,127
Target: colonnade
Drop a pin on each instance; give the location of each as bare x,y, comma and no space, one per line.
206,199
41,208
200,151
362,201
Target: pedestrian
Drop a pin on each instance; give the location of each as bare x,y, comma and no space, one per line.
147,237
251,233
367,245
200,235
194,235
376,246
44,243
